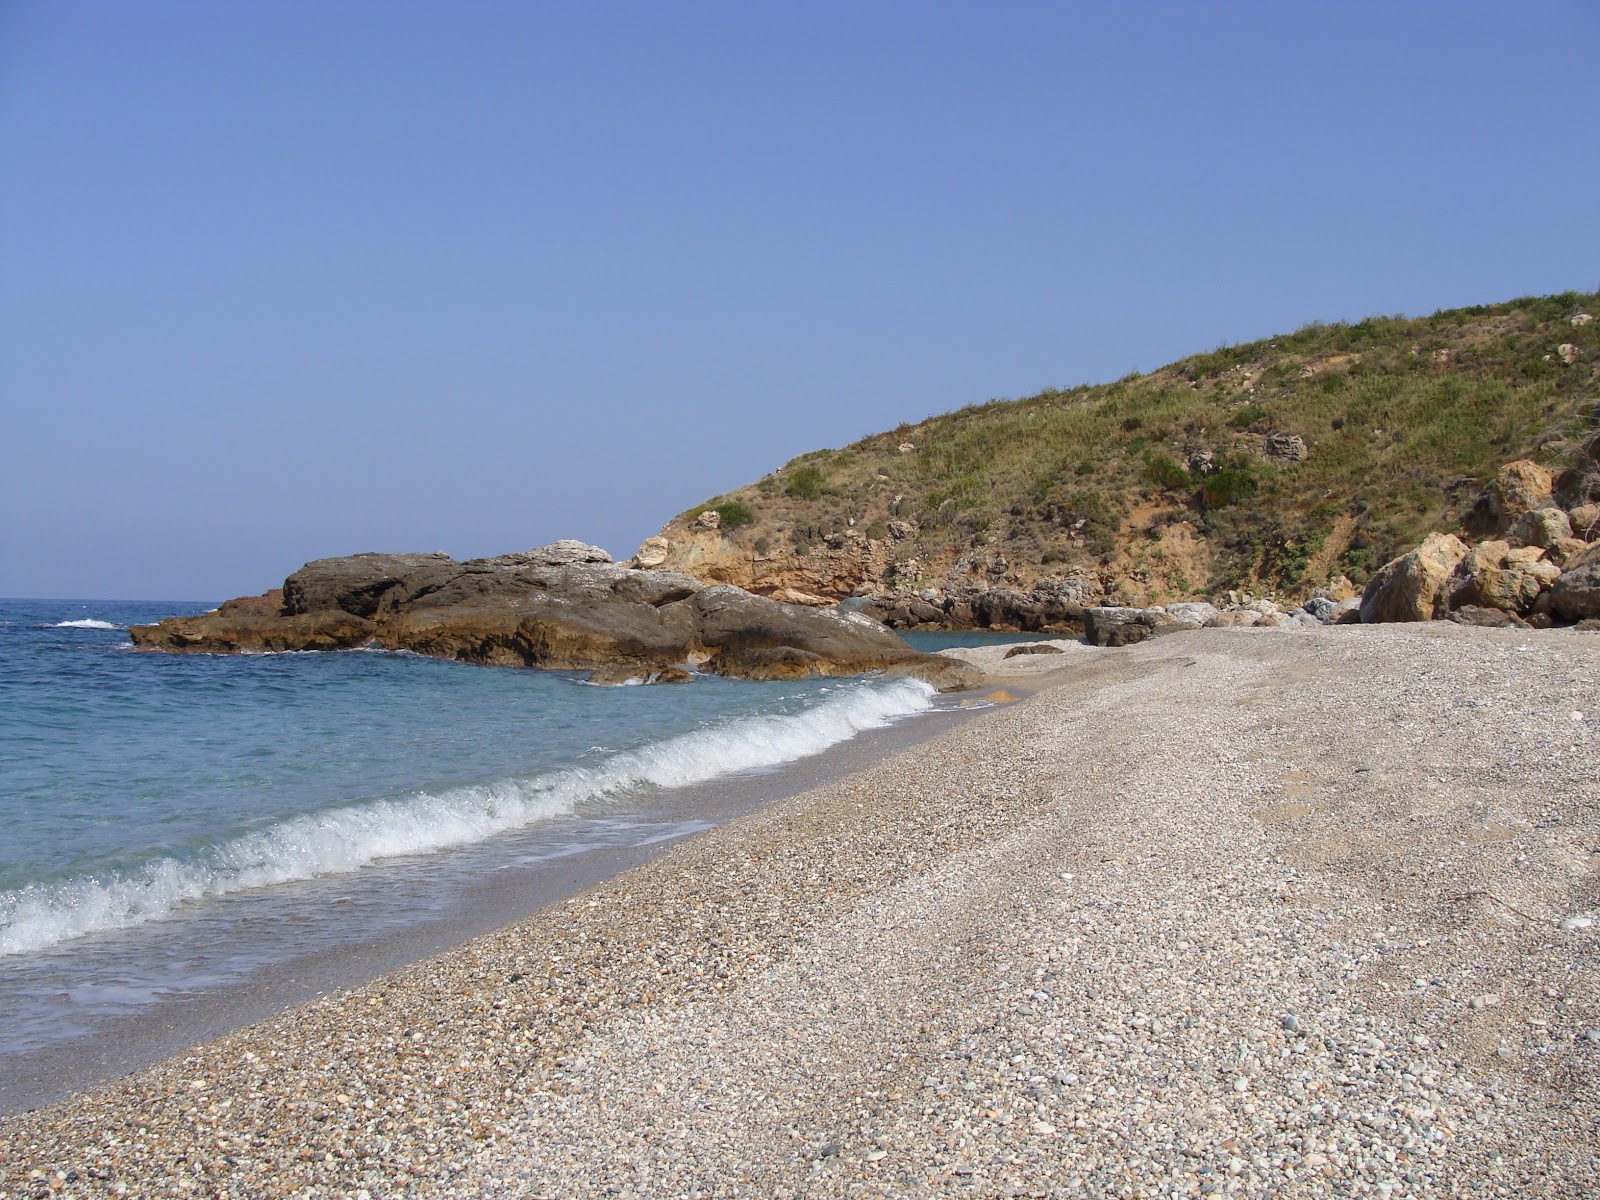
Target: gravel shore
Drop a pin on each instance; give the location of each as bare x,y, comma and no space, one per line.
1292,912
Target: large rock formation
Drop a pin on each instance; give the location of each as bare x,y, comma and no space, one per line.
1414,586
564,607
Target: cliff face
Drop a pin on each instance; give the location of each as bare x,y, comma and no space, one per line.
1296,463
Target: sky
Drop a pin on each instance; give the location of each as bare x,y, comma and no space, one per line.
287,280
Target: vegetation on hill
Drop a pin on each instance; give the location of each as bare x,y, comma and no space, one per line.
1401,422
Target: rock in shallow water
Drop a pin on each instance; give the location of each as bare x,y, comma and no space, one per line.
564,607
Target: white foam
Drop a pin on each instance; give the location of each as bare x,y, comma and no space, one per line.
351,837
85,623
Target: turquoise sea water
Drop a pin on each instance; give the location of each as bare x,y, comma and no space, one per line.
172,823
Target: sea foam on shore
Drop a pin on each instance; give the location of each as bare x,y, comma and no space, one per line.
349,837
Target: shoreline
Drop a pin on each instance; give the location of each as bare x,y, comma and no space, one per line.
168,1026
1287,912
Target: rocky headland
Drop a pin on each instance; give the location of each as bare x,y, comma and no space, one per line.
1283,471
565,606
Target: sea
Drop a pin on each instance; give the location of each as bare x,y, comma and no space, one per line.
178,827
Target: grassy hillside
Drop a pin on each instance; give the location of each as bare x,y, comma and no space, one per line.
1403,421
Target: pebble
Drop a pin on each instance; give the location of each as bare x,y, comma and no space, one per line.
881,988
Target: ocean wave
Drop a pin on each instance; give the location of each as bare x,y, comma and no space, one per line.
85,623
350,837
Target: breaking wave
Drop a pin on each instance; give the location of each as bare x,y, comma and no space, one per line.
353,836
85,623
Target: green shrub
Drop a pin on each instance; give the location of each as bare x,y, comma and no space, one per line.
734,514
1247,416
805,484
1161,470
1228,486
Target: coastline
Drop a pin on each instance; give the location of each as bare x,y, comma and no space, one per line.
1298,912
517,888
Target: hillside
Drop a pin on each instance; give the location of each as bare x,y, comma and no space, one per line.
1272,468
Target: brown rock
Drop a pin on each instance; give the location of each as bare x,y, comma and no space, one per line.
1496,575
558,607
1585,521
268,604
1415,586
217,634
1564,549
1234,618
1518,487
1542,527
1033,648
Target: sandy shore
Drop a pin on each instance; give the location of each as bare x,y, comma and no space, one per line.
1282,913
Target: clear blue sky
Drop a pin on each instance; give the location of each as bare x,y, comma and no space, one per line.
284,280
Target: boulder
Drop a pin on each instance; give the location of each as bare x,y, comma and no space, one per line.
652,553
1321,609
1575,596
1346,612
710,519
1518,487
1585,522
1285,447
360,583
1337,589
1494,574
1234,618
1487,618
1414,587
1542,527
1563,549
1192,612
1116,626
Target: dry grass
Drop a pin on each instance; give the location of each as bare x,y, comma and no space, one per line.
1405,420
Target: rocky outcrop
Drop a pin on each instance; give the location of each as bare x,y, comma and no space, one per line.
1413,587
564,607
1284,447
1496,575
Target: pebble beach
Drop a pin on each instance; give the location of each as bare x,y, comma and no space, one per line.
1277,912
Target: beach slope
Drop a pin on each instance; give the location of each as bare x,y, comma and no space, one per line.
1294,913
